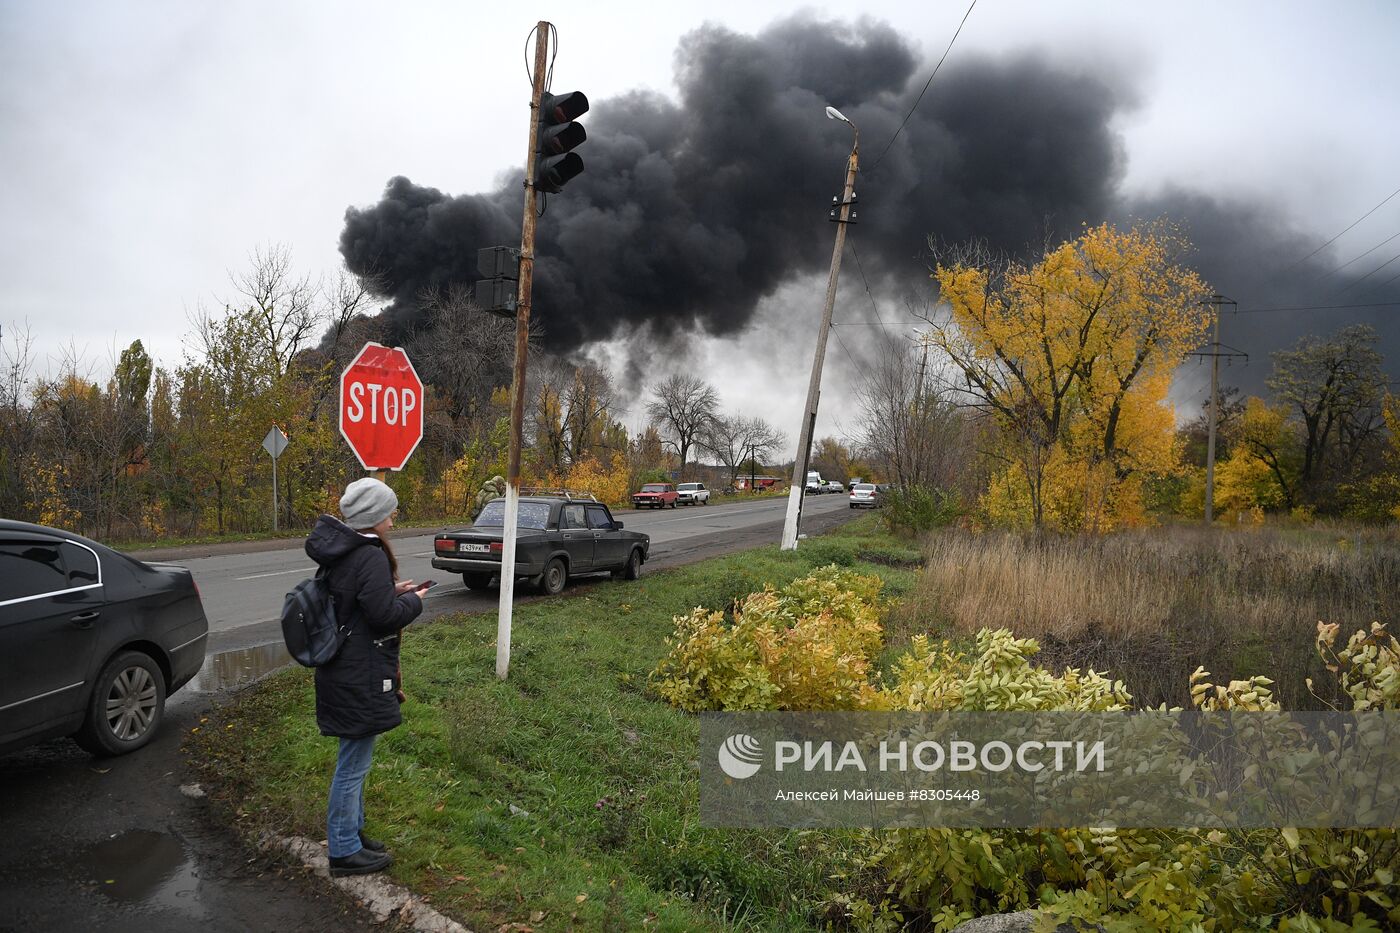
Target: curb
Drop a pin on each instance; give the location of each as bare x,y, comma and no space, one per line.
384,899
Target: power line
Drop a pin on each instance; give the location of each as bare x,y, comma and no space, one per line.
1384,284
1363,255
1376,304
856,253
926,86
1338,236
849,355
1367,275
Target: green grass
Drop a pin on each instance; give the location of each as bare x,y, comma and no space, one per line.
565,797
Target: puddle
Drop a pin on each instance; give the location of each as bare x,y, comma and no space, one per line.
236,668
141,867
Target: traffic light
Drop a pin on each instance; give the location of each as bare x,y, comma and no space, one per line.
500,270
558,135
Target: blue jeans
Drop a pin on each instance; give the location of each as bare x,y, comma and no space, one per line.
345,814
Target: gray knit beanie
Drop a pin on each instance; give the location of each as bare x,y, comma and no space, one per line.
367,502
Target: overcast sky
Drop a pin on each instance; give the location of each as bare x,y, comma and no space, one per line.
147,148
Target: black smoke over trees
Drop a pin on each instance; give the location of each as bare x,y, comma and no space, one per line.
693,210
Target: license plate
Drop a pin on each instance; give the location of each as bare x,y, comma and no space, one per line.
474,548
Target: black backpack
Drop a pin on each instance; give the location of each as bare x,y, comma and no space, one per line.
308,622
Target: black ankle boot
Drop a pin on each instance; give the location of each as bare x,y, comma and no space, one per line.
374,845
363,862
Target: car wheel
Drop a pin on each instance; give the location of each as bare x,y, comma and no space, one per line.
554,577
476,581
126,706
673,503
633,569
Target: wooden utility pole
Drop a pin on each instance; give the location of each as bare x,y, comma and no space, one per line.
814,386
522,346
1212,420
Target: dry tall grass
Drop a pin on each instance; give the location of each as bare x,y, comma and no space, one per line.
1150,605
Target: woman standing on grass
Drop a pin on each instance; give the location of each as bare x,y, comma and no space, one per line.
357,692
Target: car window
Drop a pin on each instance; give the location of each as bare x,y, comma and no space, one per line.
532,515
866,487
654,487
571,516
598,517
81,564
29,568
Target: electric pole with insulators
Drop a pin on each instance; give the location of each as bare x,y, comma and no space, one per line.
842,215
1218,351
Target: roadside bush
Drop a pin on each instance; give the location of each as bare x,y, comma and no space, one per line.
998,676
810,645
917,510
1134,879
1368,668
606,481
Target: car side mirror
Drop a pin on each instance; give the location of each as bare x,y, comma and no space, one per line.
617,526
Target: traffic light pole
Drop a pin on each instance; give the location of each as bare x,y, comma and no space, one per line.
522,346
809,413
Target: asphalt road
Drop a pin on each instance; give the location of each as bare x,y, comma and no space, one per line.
243,592
116,844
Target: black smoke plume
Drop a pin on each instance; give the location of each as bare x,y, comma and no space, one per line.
691,211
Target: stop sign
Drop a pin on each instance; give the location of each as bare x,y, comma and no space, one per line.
381,407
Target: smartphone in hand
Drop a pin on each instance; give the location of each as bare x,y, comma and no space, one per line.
425,586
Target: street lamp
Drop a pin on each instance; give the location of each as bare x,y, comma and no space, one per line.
841,217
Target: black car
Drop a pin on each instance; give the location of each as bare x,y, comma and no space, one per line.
91,641
556,538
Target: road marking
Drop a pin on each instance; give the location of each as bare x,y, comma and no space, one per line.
277,573
667,521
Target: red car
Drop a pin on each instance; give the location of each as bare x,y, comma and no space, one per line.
655,496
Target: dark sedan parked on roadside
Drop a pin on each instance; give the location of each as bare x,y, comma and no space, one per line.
556,538
91,641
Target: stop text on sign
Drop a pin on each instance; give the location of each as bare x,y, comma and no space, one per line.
381,407
397,405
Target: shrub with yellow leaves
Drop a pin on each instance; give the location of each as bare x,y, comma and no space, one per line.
607,481
1368,667
807,646
1322,880
998,675
811,646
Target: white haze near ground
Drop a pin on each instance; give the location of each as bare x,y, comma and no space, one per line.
147,148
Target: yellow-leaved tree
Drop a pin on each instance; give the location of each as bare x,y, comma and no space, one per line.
1072,357
1264,469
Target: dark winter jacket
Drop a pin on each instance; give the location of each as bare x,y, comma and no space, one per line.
356,692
